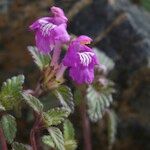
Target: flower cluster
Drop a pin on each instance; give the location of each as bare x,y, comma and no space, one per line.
51,31
50,35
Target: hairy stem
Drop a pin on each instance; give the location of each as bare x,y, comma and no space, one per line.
86,127
32,134
35,129
35,132
32,139
3,141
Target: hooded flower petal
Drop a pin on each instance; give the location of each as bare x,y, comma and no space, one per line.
81,59
50,30
59,16
60,34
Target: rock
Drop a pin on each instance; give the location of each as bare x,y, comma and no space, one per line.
128,44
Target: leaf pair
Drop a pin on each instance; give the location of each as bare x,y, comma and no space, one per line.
52,117
57,140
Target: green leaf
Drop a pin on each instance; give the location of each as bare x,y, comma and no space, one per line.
104,59
64,94
55,116
18,146
68,130
10,95
69,136
112,127
33,102
70,145
97,103
48,141
40,59
57,138
8,124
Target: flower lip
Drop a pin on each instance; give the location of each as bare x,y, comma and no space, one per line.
84,39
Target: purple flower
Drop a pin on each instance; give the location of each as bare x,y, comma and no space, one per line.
50,31
81,60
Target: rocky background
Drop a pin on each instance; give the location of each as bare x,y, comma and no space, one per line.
119,28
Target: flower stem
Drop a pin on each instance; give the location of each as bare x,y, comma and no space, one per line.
3,141
56,55
85,127
60,72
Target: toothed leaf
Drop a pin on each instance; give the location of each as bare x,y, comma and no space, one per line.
64,94
55,116
70,145
97,103
48,141
40,59
57,138
18,146
10,95
69,136
8,124
33,102
68,130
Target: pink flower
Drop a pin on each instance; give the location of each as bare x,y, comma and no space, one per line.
81,60
50,31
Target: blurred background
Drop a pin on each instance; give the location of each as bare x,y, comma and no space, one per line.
119,28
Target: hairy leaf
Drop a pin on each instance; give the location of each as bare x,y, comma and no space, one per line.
33,102
8,124
69,136
18,146
64,94
10,95
48,141
57,138
97,103
68,130
40,59
55,116
70,145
